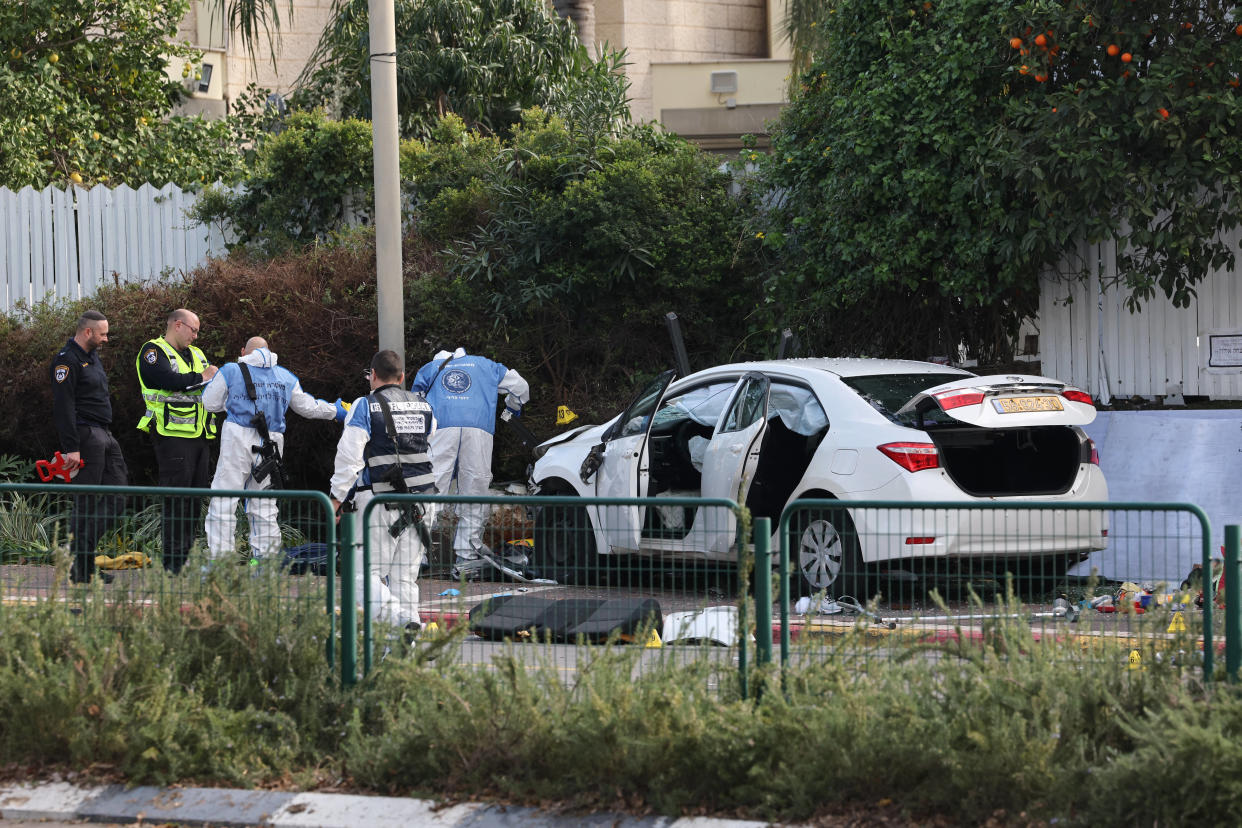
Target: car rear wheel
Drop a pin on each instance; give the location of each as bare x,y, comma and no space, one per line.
827,555
564,545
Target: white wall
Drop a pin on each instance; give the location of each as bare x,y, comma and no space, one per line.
66,243
1088,338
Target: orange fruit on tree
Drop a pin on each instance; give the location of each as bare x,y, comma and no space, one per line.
1164,113
1015,42
1023,70
1238,31
1040,40
1112,50
1127,57
1041,78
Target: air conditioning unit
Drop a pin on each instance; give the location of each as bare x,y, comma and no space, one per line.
724,83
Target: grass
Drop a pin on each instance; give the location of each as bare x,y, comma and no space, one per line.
229,685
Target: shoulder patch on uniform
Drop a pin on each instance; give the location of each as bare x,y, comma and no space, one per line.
61,372
149,355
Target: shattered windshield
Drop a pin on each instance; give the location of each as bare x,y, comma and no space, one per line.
889,392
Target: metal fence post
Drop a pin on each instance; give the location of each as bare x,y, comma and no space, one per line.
1233,604
349,603
763,590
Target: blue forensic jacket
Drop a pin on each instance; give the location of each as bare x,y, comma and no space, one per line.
276,391
463,393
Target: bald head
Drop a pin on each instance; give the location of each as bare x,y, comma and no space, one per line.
254,343
182,328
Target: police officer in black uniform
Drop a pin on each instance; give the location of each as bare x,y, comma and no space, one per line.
82,411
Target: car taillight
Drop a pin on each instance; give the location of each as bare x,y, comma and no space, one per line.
912,456
958,397
1074,395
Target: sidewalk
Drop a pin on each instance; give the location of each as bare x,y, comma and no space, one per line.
220,806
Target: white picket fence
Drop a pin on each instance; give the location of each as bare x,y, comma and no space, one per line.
1094,342
67,243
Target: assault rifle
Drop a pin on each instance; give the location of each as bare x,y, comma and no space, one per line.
268,462
411,513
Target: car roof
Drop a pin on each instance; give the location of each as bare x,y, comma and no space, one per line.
841,367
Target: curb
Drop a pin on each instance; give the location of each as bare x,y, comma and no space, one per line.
225,807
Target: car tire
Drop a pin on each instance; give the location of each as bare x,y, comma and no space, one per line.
565,545
825,555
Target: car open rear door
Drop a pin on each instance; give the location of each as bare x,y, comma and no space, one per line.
729,461
1004,401
624,469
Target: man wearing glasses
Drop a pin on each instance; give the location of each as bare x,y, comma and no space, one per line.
172,372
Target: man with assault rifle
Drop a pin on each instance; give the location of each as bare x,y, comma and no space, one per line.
255,393
384,448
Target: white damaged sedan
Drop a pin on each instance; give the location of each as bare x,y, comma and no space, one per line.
765,434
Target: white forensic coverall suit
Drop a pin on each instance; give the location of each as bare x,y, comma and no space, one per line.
277,391
462,389
394,561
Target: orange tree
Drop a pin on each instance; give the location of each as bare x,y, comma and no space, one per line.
1124,124
84,97
939,155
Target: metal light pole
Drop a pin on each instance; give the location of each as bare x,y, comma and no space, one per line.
384,137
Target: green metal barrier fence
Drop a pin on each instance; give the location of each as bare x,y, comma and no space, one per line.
877,579
133,526
544,553
872,579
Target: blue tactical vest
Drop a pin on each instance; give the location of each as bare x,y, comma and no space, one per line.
409,452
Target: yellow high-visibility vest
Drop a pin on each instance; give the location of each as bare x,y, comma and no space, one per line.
175,413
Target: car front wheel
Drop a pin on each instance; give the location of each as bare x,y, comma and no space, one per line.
827,554
565,545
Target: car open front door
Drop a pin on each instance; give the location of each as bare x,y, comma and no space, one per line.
729,461
624,469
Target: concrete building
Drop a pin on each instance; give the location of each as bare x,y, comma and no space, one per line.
710,70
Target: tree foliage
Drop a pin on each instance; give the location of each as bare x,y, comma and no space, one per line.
931,170
84,97
597,235
484,60
1124,124
309,180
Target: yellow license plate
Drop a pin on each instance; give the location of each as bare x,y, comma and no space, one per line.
1019,405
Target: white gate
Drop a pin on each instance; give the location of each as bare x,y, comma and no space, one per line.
1089,338
66,243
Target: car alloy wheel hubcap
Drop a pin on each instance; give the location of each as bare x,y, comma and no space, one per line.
820,553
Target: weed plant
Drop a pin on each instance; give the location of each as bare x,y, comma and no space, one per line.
227,683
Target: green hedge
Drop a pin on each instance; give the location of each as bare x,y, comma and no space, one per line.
317,310
218,689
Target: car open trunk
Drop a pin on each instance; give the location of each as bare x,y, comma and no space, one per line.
1008,462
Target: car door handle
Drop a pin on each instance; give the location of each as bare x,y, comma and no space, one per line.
736,448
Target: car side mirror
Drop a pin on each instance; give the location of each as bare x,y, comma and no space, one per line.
591,463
